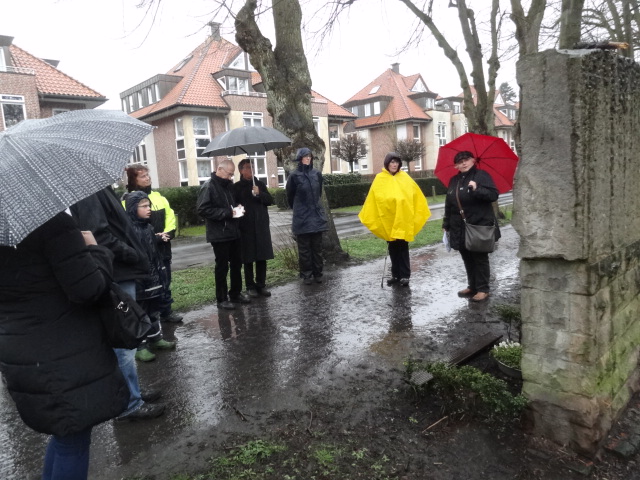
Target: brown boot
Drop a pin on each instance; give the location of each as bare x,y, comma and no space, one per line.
480,297
466,293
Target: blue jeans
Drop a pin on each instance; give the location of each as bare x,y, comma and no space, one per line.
127,362
67,458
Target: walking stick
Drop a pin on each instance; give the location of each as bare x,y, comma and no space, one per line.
385,268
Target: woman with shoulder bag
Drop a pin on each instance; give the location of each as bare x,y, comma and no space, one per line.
472,191
59,369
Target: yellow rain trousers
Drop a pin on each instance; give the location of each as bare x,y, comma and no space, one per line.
395,208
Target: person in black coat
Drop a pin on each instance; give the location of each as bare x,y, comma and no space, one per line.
254,228
476,191
304,189
217,205
59,369
103,215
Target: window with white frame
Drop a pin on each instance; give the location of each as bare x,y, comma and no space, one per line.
252,119
13,109
139,154
184,174
376,108
456,107
57,111
180,150
281,177
417,163
235,84
367,109
316,124
441,133
202,138
334,137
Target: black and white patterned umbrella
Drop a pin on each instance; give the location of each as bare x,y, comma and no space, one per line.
247,140
48,165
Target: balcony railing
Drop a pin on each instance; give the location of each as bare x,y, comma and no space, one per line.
8,69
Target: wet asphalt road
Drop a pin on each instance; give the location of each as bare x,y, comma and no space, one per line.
271,355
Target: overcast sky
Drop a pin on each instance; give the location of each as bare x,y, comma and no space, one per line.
99,43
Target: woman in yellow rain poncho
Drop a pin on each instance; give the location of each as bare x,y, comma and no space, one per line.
395,210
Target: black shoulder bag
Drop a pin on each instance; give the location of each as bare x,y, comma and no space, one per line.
125,322
477,238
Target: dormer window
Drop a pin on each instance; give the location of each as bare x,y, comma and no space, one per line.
419,86
236,84
183,63
374,90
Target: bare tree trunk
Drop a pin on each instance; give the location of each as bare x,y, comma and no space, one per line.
479,114
570,23
527,35
285,75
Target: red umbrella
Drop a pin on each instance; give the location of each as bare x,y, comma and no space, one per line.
492,155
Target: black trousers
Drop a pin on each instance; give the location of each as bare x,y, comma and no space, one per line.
399,255
478,270
310,254
261,275
228,257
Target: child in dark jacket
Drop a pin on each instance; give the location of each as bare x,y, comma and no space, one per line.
150,291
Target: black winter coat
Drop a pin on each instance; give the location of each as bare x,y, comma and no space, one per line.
59,369
304,189
103,214
215,204
476,204
254,225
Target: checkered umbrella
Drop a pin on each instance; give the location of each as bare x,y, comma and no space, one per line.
48,165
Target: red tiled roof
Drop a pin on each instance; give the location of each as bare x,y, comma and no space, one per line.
501,120
197,87
397,86
50,80
333,108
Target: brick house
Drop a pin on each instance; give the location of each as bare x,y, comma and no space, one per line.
31,87
212,90
398,107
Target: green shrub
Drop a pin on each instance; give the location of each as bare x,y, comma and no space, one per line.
347,195
279,198
183,202
431,184
468,390
342,178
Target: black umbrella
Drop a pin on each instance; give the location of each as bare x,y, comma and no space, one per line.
247,141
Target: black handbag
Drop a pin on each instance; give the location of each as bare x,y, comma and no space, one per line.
477,238
125,322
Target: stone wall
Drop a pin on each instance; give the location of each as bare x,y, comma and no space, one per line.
577,211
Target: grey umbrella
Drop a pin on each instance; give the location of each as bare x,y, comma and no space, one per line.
247,140
49,164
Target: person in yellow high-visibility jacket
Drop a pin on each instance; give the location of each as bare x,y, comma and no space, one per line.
395,210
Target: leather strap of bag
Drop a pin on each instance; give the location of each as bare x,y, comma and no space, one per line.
458,199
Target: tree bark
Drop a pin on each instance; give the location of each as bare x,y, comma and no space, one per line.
570,23
287,82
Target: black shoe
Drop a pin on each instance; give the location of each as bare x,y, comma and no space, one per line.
253,292
150,395
227,305
146,411
392,281
307,281
317,279
404,282
173,317
241,298
264,292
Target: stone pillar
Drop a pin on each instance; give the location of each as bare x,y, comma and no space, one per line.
577,211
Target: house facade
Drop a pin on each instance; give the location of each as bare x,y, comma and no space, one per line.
212,90
31,87
397,107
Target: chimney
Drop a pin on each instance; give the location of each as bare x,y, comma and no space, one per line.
215,30
395,67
